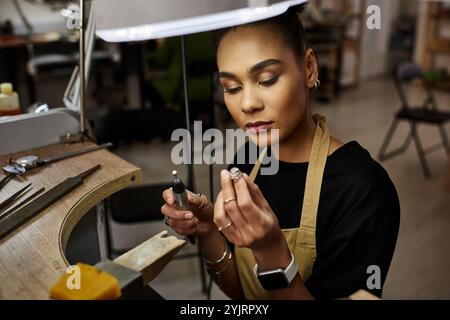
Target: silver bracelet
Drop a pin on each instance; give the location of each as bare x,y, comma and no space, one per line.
218,273
210,262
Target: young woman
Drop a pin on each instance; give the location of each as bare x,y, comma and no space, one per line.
326,224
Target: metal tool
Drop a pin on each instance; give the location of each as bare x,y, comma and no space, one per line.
32,208
131,281
23,164
21,203
9,200
181,198
5,179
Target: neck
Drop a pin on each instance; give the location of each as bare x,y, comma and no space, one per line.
297,146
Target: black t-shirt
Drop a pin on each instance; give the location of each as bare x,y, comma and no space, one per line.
357,221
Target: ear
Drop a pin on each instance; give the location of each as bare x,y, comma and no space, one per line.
311,68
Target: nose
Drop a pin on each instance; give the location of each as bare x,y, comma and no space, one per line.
250,102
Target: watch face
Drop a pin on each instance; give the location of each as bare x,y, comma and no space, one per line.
273,280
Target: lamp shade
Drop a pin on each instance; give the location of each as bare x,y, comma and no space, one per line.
135,20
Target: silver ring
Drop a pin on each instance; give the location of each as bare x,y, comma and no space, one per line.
166,221
226,227
228,200
203,201
235,173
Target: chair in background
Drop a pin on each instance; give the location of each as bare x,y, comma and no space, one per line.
427,113
142,203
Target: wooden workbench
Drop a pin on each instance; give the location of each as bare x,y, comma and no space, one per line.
32,256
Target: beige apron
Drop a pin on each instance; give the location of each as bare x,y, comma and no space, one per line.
301,240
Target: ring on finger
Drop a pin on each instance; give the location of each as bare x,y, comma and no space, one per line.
226,227
203,201
228,200
166,221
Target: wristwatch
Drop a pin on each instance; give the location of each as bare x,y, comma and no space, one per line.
278,278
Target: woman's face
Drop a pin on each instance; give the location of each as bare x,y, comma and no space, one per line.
264,86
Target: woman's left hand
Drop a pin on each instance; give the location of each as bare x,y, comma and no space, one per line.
244,216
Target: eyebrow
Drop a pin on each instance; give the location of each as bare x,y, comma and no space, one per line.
257,67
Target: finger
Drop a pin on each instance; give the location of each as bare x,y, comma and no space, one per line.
183,224
221,219
176,214
198,201
185,232
255,192
245,201
168,197
231,206
194,199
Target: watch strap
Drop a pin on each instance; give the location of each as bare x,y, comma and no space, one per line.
290,271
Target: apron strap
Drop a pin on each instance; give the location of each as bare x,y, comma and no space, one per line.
306,233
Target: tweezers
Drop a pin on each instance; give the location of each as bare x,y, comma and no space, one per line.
20,204
5,179
9,200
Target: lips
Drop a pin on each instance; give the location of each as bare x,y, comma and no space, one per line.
258,126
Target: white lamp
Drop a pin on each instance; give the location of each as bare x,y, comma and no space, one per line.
134,20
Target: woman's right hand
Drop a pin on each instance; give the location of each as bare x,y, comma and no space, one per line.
199,220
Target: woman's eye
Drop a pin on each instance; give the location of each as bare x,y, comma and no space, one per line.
232,90
269,82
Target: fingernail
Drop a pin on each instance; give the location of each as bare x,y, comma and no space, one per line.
224,173
188,215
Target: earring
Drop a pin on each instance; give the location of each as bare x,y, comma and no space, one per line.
316,84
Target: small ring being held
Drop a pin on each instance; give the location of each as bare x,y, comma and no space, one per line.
166,221
235,173
226,227
228,200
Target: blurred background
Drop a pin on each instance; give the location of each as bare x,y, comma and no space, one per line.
384,83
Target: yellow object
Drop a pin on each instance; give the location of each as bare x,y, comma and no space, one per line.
9,100
302,240
84,282
6,88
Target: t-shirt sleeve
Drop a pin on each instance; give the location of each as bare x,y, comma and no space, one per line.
358,248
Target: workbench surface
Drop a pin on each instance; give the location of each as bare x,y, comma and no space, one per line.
32,256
